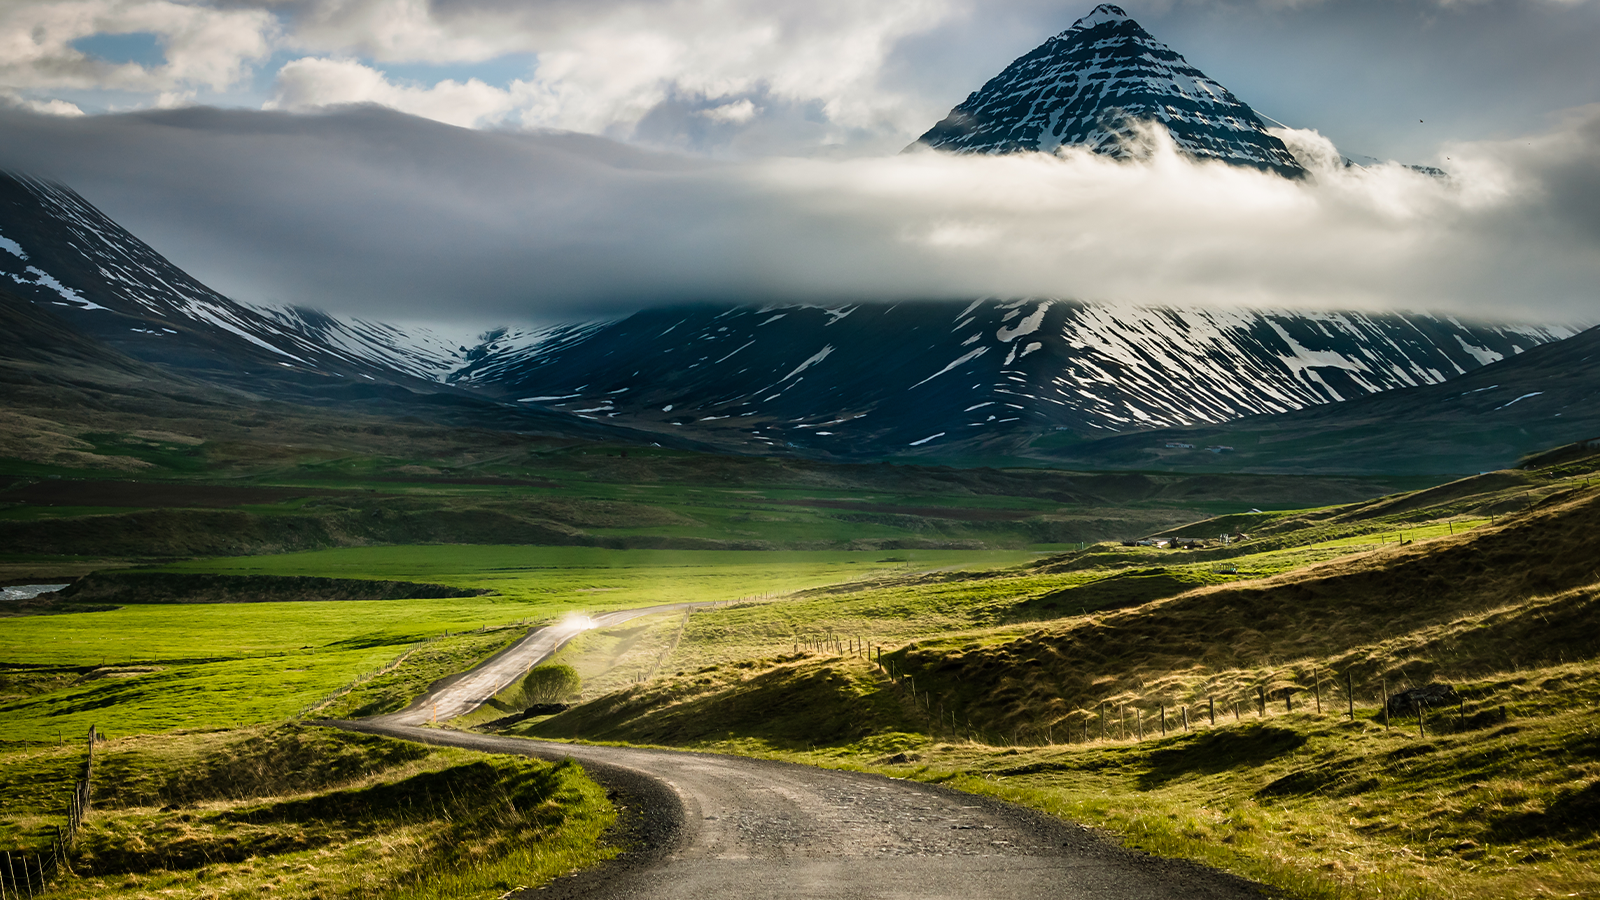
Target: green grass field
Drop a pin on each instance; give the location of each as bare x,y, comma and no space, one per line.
1496,795
303,812
593,578
157,667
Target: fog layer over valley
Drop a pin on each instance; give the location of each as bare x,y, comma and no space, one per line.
371,212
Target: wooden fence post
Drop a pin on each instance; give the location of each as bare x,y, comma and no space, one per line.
1163,720
1185,718
1316,679
1261,699
1385,686
1350,692
1102,721
1211,707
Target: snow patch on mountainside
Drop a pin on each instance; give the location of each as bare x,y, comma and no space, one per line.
1061,365
1092,85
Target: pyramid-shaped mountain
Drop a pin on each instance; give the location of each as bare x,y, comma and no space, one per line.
1089,84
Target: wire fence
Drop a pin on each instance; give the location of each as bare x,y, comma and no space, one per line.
26,874
1429,708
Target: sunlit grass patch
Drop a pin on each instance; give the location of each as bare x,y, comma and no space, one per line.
308,812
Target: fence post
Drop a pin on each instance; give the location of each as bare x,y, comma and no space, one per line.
1102,721
1211,706
1316,679
1186,718
1261,699
1422,732
1350,692
1385,685
1138,717
1163,720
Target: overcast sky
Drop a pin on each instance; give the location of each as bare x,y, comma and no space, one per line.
748,149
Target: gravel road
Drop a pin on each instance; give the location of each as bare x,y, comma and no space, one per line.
708,826
461,694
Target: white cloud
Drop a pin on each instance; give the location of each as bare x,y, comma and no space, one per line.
605,73
820,76
45,107
310,84
371,212
202,46
737,111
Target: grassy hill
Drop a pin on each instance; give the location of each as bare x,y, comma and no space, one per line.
1224,703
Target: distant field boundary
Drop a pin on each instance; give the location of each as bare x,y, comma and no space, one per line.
162,587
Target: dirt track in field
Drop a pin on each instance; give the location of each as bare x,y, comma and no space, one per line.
709,826
702,826
461,694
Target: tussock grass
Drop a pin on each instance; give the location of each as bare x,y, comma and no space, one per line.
306,812
1497,796
1373,615
794,701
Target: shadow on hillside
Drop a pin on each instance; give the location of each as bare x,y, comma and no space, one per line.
1210,752
1120,591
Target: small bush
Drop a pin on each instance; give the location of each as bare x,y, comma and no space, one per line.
555,683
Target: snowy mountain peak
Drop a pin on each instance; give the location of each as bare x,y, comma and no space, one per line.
1105,13
1091,85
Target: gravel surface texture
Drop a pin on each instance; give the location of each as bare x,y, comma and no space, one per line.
699,825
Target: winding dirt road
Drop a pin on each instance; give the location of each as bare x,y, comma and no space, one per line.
708,827
705,827
464,693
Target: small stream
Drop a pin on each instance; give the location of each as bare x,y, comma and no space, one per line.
27,591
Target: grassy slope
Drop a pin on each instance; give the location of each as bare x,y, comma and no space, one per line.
123,464
306,812
1499,798
154,667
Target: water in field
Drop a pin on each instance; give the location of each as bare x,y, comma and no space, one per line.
27,591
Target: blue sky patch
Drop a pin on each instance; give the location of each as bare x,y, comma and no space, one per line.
142,47
499,72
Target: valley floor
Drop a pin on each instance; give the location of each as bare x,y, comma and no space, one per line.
1080,683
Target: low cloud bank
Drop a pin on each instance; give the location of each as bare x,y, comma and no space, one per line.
367,211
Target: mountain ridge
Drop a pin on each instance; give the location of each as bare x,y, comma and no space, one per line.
980,381
1090,85
983,378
